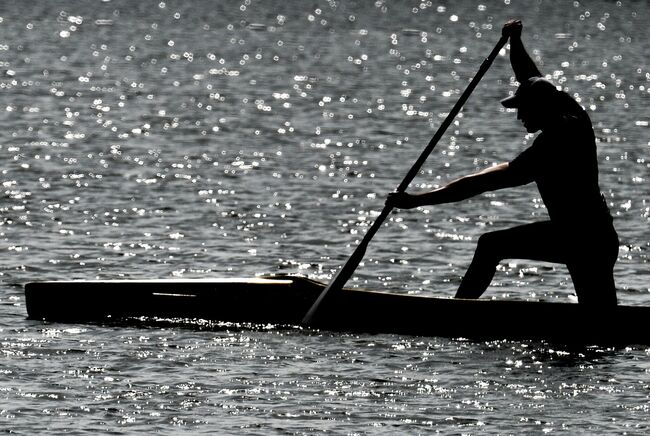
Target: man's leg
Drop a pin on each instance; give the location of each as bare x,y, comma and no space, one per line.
592,270
536,241
594,283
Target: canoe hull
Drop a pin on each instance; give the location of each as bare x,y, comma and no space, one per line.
285,300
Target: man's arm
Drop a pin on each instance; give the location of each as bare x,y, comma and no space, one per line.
522,64
489,179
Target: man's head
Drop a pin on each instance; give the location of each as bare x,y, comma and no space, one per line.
534,101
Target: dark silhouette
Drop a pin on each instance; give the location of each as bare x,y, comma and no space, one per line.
562,162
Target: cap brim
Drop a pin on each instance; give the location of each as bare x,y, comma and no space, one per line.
511,102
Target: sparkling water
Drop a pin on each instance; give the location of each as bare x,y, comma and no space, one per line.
236,138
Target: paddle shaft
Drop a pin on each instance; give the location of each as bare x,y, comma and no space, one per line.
350,266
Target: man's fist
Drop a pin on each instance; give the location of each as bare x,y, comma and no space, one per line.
512,29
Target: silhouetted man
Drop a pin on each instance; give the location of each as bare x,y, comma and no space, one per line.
562,162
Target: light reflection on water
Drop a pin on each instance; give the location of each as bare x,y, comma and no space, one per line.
291,381
162,139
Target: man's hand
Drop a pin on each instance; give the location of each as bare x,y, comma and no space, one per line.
512,29
401,200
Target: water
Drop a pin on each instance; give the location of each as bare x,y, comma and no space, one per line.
226,139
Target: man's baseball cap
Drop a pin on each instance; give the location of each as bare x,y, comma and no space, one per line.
535,89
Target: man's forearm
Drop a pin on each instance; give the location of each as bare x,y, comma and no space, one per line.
522,64
458,190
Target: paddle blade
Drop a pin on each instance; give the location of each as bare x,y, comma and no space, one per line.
340,279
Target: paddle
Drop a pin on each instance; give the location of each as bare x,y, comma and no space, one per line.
350,266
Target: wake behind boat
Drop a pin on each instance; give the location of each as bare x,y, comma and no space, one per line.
283,300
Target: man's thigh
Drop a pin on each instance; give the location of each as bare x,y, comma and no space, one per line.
536,241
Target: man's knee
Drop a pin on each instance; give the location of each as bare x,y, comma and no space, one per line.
489,241
488,246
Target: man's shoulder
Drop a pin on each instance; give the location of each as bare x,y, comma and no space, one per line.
568,127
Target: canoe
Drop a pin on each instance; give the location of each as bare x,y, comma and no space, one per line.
283,301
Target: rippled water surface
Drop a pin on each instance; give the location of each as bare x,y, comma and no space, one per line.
237,138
